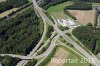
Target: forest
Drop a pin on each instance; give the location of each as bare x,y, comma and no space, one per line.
20,34
9,61
79,6
9,4
89,36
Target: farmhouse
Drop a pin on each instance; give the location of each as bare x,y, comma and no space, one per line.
66,22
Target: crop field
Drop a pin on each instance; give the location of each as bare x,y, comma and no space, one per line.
57,10
84,17
77,60
65,54
60,54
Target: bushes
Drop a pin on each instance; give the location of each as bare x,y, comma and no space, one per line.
79,6
20,34
31,62
47,59
50,30
62,28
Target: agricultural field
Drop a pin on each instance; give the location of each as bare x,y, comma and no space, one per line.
76,57
84,17
60,54
65,53
7,12
57,10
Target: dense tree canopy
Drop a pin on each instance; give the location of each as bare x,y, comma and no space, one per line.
21,33
9,61
89,36
79,6
9,4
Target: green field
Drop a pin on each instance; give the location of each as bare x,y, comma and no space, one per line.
73,55
57,10
96,4
30,1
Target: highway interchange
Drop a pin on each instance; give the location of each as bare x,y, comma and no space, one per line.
32,54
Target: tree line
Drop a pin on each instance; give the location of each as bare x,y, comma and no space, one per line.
9,4
9,61
89,0
47,3
20,34
89,36
79,6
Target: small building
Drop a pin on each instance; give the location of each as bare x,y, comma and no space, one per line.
66,22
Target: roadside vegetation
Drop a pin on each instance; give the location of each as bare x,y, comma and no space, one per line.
48,15
47,3
47,36
89,36
31,62
44,48
62,28
47,59
6,13
21,31
30,1
57,10
9,61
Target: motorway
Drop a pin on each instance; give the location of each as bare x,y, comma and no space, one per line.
59,32
52,45
49,50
